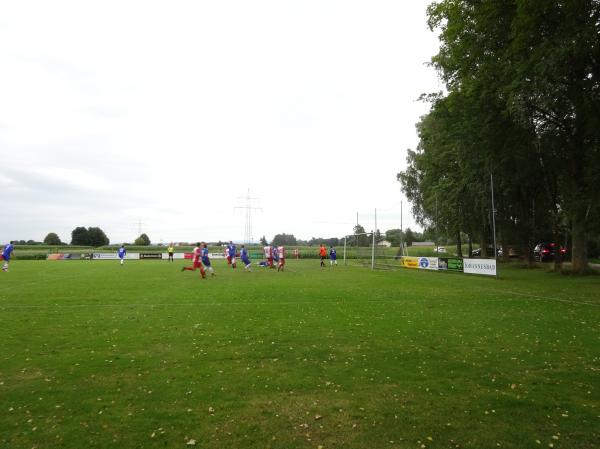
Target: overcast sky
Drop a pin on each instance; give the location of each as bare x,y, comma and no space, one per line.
165,113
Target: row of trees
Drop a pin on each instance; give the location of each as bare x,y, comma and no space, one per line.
523,104
394,236
96,237
91,236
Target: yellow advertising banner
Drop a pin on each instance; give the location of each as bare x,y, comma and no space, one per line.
409,262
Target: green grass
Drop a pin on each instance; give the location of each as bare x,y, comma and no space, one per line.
98,355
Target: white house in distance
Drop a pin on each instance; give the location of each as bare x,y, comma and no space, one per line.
423,244
385,243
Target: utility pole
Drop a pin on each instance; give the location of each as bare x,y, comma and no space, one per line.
494,222
248,238
139,227
436,226
401,231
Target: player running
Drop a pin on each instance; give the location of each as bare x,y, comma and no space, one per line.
268,255
323,254
196,262
332,256
281,252
227,255
275,257
121,253
232,253
6,253
206,260
245,258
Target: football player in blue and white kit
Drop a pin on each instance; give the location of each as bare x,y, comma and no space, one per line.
206,260
122,251
275,255
6,253
332,256
245,258
232,249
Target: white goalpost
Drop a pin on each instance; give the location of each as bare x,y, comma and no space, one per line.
365,250
355,240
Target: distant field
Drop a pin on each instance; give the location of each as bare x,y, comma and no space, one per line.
29,251
98,355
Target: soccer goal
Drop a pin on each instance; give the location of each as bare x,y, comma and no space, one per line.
362,249
369,249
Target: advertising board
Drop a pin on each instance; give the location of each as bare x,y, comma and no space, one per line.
480,266
409,262
150,255
105,256
428,263
73,256
190,255
450,264
165,256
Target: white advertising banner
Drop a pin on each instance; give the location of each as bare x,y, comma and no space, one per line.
480,266
107,256
428,263
217,255
113,256
165,256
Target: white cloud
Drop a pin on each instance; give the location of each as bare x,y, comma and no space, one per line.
120,111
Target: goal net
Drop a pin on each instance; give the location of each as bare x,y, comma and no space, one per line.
361,249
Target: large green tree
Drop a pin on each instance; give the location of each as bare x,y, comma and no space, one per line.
555,87
523,105
284,239
92,236
394,236
142,240
359,238
52,239
97,237
79,236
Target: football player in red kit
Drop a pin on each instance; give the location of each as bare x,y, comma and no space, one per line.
196,262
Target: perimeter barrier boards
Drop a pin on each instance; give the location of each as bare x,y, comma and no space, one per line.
480,266
150,255
486,267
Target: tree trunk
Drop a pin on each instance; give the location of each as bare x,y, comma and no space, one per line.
483,242
579,240
558,256
458,245
470,246
527,252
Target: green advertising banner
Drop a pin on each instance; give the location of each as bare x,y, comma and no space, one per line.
450,264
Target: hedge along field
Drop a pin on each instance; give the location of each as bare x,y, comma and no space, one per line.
94,354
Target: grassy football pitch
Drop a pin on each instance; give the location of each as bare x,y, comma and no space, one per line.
98,355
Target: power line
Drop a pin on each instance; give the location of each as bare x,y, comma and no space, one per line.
248,238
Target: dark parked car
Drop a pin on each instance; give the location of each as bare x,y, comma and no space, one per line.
544,252
490,251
